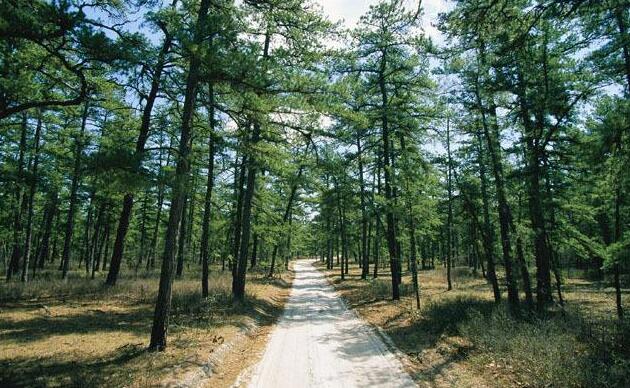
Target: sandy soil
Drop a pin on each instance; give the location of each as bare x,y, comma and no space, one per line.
318,342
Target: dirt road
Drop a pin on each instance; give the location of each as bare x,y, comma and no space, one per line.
318,342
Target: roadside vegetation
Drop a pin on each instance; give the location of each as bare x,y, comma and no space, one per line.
163,162
83,333
462,338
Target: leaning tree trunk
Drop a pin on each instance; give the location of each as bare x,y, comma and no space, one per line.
287,210
491,132
145,126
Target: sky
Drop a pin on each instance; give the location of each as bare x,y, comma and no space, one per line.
351,10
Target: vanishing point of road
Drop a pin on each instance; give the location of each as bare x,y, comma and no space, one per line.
318,342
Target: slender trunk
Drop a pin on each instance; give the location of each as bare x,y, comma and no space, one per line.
365,267
145,125
158,215
181,241
238,286
121,232
16,252
107,244
238,211
449,222
205,227
49,216
74,187
241,264
252,260
537,219
288,254
163,303
379,225
389,196
287,210
492,140
488,230
104,239
141,253
342,231
96,236
31,199
520,258
411,227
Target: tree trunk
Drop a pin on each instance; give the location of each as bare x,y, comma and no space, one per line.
181,241
31,199
238,289
491,132
16,252
163,303
488,230
238,212
74,187
449,221
389,214
287,210
205,227
145,126
252,260
238,286
365,267
44,246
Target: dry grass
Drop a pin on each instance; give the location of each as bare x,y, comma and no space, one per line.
460,338
81,333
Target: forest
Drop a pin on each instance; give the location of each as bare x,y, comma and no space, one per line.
166,165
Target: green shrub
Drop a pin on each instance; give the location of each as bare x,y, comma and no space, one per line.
544,352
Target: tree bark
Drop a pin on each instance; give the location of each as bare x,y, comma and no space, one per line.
163,303
365,267
389,196
16,252
205,227
491,133
488,230
31,199
44,246
181,241
145,126
449,221
74,187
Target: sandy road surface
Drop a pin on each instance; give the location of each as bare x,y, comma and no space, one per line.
318,342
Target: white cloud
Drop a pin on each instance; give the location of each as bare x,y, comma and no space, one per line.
351,10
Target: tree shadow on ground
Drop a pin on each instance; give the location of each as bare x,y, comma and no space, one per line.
57,371
83,322
123,365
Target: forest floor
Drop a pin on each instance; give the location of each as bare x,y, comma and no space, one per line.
81,333
460,338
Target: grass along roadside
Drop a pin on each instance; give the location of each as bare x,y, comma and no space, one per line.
81,333
460,338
